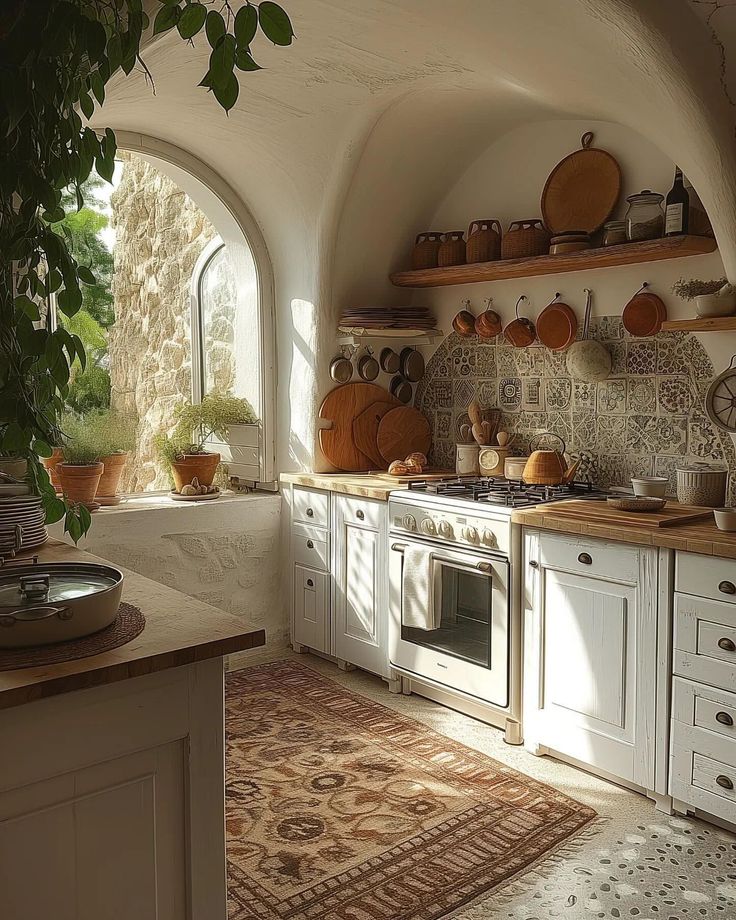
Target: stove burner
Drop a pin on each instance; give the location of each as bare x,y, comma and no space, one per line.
505,492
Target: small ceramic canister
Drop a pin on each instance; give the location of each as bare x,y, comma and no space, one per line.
702,484
466,459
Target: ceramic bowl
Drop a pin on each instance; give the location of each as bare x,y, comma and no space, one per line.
715,305
650,486
725,518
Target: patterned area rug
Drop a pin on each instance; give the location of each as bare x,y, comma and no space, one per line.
341,809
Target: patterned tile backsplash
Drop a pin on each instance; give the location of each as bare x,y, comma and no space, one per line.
644,419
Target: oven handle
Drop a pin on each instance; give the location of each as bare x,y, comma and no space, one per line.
481,566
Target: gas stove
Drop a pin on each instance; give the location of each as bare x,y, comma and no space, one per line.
503,492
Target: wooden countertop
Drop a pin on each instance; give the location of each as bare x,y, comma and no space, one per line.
699,537
364,485
179,630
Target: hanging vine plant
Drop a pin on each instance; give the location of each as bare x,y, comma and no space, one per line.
56,58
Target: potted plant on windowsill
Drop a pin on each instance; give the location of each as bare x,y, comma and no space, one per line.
196,424
114,436
79,474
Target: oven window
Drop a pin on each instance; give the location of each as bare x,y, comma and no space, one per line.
464,616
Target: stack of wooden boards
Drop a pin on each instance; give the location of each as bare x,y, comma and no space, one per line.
402,318
370,428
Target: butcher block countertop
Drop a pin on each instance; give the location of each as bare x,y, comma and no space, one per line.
697,537
179,630
364,485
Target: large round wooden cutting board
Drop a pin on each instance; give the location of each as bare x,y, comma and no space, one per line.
582,190
365,431
401,432
341,407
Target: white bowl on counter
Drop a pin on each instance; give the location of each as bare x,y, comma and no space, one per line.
725,518
650,486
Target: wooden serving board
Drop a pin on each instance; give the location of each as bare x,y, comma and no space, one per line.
365,431
403,431
672,515
429,476
341,407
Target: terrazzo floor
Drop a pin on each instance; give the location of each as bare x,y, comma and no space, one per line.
634,863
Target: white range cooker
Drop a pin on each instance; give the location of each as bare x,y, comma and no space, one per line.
455,552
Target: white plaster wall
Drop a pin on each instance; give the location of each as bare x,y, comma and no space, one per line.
225,553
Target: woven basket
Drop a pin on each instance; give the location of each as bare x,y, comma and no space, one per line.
524,239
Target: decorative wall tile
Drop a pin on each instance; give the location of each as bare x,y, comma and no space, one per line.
560,423
485,364
674,393
487,392
604,328
443,425
555,363
463,391
667,466
641,395
509,393
438,395
641,358
557,393
583,395
611,433
463,360
672,434
584,430
611,396
641,433
618,354
703,438
506,362
530,361
619,469
532,394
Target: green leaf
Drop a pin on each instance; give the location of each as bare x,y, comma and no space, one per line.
24,303
166,18
222,61
191,20
69,300
42,448
85,275
243,60
246,26
97,86
105,167
85,518
72,525
54,507
81,353
275,23
86,105
214,28
227,95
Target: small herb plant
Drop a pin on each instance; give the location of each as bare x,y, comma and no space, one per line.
89,438
689,290
197,422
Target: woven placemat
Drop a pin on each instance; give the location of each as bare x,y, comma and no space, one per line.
128,624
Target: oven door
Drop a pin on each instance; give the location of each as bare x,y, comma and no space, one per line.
468,650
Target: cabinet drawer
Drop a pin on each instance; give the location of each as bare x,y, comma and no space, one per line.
705,641
310,546
589,557
311,506
703,769
362,511
311,609
709,708
705,576
714,777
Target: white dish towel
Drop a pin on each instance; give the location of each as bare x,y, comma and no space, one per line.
419,610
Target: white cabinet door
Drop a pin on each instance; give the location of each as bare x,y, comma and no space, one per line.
360,573
311,608
590,655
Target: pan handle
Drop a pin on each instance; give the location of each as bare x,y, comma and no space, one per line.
38,613
547,434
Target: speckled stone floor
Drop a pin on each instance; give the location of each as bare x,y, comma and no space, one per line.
634,863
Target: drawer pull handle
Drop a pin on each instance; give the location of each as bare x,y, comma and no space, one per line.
727,587
727,645
310,512
585,558
310,544
724,782
310,583
533,563
360,514
724,719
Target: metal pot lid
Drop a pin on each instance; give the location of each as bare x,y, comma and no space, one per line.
56,582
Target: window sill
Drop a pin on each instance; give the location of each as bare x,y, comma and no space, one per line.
160,501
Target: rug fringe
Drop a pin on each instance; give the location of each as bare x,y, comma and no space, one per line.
527,878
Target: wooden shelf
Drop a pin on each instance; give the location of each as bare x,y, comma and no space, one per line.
707,324
675,247
361,336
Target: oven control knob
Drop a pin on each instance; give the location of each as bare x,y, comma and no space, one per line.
489,538
445,529
470,534
409,522
428,526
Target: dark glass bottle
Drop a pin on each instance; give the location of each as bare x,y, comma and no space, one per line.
677,207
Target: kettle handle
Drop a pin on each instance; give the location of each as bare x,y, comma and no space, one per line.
547,434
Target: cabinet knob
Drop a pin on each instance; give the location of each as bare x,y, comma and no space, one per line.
360,514
728,645
724,718
533,563
727,587
310,512
585,558
724,782
310,544
310,583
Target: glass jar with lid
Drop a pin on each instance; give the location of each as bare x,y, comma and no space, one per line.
614,233
645,217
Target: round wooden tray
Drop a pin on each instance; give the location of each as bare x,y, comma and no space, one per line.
582,190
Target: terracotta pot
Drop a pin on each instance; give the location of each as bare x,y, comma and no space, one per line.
191,466
50,463
79,481
107,490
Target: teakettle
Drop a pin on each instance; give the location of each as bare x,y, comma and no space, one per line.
547,467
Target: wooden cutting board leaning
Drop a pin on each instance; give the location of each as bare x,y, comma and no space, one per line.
341,407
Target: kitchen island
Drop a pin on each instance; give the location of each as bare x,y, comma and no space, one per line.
112,769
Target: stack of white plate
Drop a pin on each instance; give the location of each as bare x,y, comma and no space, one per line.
27,512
